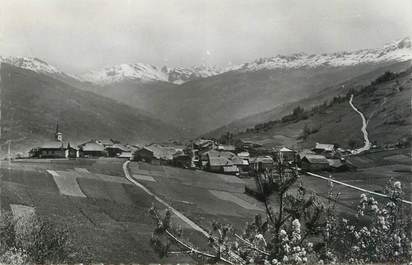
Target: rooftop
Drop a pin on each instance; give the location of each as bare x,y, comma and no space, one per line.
316,159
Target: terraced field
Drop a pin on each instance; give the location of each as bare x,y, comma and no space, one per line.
200,195
107,215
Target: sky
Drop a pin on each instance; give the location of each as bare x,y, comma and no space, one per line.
82,35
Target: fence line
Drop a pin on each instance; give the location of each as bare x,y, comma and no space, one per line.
352,186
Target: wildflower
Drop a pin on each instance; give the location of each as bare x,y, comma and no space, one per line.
286,247
296,225
285,259
397,185
275,261
363,197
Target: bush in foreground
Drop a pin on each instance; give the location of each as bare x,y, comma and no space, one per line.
32,239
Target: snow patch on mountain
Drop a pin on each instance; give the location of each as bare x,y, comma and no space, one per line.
30,63
396,51
35,65
117,73
146,73
180,75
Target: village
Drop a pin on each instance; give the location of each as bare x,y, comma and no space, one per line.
202,154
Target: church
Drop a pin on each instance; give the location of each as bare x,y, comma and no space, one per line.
55,149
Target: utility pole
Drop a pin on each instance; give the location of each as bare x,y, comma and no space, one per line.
9,154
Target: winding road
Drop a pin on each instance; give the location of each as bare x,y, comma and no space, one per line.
367,143
176,212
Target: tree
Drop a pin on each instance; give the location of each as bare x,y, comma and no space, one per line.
281,236
306,132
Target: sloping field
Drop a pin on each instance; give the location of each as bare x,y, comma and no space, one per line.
373,173
108,217
200,195
226,196
21,211
66,183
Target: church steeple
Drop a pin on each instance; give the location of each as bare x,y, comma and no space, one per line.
58,135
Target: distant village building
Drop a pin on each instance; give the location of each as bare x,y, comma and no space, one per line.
262,163
182,159
92,149
327,150
115,150
285,154
220,164
244,155
156,154
311,162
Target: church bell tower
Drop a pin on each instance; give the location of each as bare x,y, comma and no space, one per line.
58,135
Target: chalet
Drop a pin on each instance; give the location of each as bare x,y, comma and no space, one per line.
116,149
262,163
156,154
244,155
92,149
220,164
126,155
285,154
106,142
204,144
52,149
314,163
183,160
327,150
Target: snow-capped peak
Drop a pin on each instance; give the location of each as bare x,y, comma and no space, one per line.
140,71
179,75
396,51
147,73
30,63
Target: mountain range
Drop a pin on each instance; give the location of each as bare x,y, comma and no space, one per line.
201,100
396,51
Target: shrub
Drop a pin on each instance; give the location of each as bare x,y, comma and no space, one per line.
387,76
32,239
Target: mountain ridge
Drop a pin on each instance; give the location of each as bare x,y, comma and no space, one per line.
400,50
